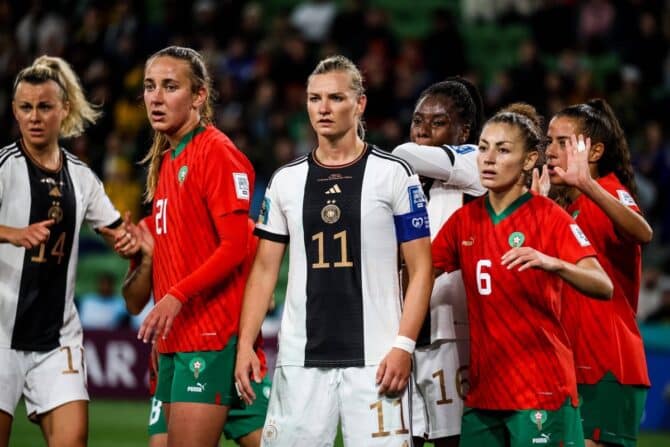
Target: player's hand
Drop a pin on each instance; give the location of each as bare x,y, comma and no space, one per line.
577,151
526,257
247,367
145,238
159,321
30,236
541,183
393,372
125,237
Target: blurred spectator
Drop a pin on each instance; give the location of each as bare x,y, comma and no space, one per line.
314,18
104,308
595,25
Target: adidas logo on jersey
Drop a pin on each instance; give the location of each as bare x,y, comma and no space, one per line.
335,189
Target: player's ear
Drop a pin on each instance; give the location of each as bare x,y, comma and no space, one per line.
464,134
596,152
530,161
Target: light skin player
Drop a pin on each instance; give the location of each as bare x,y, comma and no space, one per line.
335,104
137,292
522,383
588,164
200,188
48,104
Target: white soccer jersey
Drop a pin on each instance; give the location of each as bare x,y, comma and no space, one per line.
343,225
452,179
37,311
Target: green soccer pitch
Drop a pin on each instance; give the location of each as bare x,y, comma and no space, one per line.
124,423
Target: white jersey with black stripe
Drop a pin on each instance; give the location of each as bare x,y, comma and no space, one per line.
37,311
343,225
453,180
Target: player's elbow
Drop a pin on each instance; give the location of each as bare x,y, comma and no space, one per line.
604,288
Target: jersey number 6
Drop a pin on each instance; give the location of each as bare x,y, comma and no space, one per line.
483,278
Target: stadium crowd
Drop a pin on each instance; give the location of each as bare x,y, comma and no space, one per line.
261,53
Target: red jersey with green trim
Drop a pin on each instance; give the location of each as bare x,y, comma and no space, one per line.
604,334
258,345
520,355
204,178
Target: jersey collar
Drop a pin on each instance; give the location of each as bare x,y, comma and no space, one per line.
185,140
497,218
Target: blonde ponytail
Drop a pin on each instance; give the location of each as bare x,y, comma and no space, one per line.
81,113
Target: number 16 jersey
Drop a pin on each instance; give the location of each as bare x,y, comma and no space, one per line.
343,225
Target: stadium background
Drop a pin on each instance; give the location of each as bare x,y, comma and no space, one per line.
548,53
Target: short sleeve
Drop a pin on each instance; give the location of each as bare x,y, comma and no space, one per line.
571,243
226,178
464,173
444,248
409,207
99,210
271,223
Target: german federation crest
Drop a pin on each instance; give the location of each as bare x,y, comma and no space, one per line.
331,212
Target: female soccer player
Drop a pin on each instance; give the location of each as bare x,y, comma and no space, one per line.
345,341
200,186
46,194
515,250
447,115
244,425
598,188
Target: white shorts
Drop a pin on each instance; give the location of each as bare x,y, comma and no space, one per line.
306,405
440,373
46,379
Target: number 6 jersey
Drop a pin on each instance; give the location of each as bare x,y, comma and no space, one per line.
343,225
519,353
37,311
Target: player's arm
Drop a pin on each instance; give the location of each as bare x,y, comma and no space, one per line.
454,165
427,161
257,296
137,283
27,237
232,249
395,369
628,222
586,275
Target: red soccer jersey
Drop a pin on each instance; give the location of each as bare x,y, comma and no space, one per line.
520,355
604,334
201,180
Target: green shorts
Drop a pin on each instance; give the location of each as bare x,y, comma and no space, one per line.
523,428
611,412
202,376
240,422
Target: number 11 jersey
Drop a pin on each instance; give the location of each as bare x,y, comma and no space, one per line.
343,225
